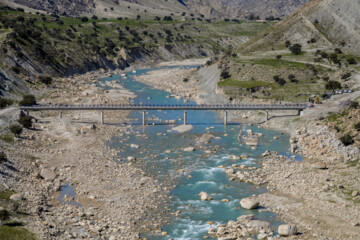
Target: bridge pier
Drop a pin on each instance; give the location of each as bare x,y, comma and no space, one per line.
102,117
185,117
60,114
225,118
267,115
144,118
27,113
299,112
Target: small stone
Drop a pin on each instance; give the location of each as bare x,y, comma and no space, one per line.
134,146
319,165
287,230
355,193
164,234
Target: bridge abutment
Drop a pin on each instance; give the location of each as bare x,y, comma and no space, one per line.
225,118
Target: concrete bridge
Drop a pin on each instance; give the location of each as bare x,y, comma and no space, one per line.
148,107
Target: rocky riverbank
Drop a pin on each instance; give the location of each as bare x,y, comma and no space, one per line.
319,194
115,198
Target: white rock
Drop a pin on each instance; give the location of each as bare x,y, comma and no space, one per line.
131,159
47,174
134,146
229,171
249,203
205,196
182,128
17,197
287,230
189,149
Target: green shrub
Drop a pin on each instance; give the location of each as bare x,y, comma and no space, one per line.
185,80
3,157
4,102
225,74
357,126
4,215
347,139
25,121
354,104
16,129
28,100
332,85
45,79
296,49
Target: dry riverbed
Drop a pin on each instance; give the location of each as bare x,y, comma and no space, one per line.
116,198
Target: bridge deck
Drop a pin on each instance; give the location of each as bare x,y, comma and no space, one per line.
110,107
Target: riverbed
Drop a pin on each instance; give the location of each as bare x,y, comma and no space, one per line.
160,154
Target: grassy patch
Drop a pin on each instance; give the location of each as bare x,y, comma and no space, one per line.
275,63
9,138
5,194
242,84
15,233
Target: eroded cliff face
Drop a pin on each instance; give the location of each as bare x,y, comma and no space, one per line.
208,8
332,23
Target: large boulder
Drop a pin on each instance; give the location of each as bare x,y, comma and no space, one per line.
189,149
287,230
205,196
47,174
17,197
249,203
206,138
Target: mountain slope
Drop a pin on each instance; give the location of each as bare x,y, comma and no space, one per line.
131,8
330,22
243,8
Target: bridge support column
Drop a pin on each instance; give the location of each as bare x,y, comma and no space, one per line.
27,113
267,115
144,118
225,118
185,117
60,114
102,117
299,112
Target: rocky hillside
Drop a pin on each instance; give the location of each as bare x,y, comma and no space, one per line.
244,8
131,8
35,45
321,23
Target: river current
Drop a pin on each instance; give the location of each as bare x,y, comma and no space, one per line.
162,157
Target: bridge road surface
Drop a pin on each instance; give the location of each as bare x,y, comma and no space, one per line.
148,107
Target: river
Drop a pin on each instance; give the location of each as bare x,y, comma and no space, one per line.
161,156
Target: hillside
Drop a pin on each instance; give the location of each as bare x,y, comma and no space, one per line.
191,8
326,37
330,23
244,8
34,45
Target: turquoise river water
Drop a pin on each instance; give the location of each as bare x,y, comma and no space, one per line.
198,171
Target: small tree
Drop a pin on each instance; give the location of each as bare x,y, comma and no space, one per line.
25,121
287,43
185,80
296,49
4,215
45,79
278,57
84,19
292,78
354,104
16,129
357,126
3,157
225,74
332,85
4,102
347,139
28,100
351,61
